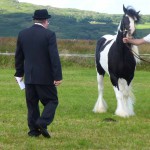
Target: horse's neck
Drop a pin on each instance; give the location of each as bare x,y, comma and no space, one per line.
119,38
122,48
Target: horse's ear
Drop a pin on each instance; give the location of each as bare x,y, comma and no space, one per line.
124,9
138,12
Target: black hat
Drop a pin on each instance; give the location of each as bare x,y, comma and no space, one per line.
41,14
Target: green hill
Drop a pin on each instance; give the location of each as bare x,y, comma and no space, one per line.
67,23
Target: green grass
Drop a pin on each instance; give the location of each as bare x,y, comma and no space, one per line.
75,125
143,26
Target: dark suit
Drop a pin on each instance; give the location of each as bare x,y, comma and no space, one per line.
37,58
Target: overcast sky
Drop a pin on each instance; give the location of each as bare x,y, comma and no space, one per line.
102,6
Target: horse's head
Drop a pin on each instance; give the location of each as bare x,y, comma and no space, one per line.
129,19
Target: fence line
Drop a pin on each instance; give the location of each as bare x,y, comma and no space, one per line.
72,55
144,54
78,55
8,54
65,55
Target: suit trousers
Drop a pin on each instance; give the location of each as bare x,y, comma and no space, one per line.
47,95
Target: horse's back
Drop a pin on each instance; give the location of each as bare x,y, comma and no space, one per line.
103,42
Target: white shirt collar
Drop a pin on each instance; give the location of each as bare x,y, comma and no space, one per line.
39,24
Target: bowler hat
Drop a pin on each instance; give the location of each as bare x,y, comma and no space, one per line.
41,14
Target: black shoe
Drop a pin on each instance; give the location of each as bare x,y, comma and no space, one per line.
34,133
44,131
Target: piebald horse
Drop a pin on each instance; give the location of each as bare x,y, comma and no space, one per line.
117,59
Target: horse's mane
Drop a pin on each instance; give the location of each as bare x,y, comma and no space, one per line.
132,13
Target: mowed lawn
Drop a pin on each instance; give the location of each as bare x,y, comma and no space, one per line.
75,125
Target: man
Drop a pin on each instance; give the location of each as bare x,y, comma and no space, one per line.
37,58
144,40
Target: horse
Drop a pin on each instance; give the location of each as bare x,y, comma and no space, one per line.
117,59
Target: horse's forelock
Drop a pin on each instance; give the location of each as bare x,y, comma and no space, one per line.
132,13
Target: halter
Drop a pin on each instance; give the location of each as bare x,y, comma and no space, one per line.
125,30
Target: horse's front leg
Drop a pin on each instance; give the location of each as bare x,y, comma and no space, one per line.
125,99
100,105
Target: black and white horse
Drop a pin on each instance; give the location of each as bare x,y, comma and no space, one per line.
117,59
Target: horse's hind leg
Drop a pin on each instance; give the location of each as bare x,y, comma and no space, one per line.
100,105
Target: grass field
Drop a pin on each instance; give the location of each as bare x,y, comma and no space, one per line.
143,26
75,125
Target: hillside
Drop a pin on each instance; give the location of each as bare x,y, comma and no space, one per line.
67,23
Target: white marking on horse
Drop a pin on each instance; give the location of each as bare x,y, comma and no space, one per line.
104,53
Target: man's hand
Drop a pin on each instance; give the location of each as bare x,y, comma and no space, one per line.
56,83
126,40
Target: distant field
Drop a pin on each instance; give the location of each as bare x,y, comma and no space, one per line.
75,125
65,46
143,26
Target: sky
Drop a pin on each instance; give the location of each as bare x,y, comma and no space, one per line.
102,6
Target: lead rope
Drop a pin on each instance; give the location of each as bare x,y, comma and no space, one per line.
137,56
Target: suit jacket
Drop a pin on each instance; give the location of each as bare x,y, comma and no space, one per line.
37,56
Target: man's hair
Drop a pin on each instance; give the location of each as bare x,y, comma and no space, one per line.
39,21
